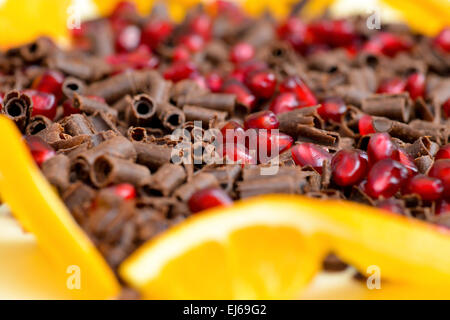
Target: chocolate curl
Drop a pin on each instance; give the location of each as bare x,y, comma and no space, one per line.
149,222
317,136
268,185
102,122
57,170
421,110
89,105
36,50
206,116
152,155
37,124
102,38
141,110
303,116
260,33
184,88
171,117
78,198
423,146
71,142
196,132
224,102
18,107
226,175
424,163
137,134
77,124
122,107
159,89
198,182
53,134
85,68
73,85
396,129
392,106
358,195
168,177
108,170
436,132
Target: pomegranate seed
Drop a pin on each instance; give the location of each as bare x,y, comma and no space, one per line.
124,9
446,108
293,31
43,103
180,53
284,102
415,85
385,178
304,94
268,140
69,108
236,153
208,198
443,153
395,85
442,40
2,95
381,147
408,161
180,70
201,25
141,58
234,129
441,170
155,32
242,52
243,95
305,154
193,42
335,33
261,83
214,81
49,82
128,39
262,120
442,206
349,167
365,125
386,43
428,188
332,109
40,150
391,205
125,191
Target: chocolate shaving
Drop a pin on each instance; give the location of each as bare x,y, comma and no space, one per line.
223,102
392,106
18,107
396,129
91,105
202,114
152,155
168,177
57,171
171,117
37,124
198,182
141,110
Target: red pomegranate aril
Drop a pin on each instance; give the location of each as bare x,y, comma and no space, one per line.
262,120
408,161
441,170
284,102
180,53
442,40
69,109
40,150
232,129
415,85
443,153
365,125
49,82
293,31
391,205
44,104
268,139
428,188
138,59
261,83
386,43
125,191
180,70
381,147
2,95
214,81
305,154
155,32
193,42
237,153
395,85
446,108
332,109
201,25
128,39
442,206
242,52
385,178
335,33
349,167
243,95
304,94
208,198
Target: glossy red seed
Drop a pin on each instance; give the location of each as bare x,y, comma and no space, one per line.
268,139
442,40
201,25
349,167
441,170
193,42
335,33
261,83
208,198
304,94
155,32
293,31
386,43
231,129
242,52
125,191
214,81
69,109
332,109
2,95
365,125
446,108
385,178
40,150
141,58
243,69
128,39
284,102
415,85
243,95
44,104
381,147
237,153
443,153
391,205
262,120
180,53
427,188
408,161
180,70
395,85
442,206
49,82
305,154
